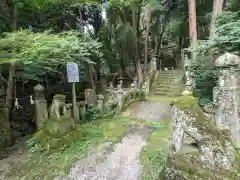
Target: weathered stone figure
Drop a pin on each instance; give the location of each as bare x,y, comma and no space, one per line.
60,128
58,108
41,112
189,80
90,96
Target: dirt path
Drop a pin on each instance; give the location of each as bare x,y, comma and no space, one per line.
122,161
121,164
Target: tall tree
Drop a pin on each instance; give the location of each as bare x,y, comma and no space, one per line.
217,8
192,27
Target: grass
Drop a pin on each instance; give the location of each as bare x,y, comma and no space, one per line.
154,154
40,165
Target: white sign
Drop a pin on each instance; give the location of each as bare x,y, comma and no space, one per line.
72,72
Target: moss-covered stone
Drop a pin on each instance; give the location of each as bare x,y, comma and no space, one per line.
58,133
59,128
49,142
187,166
215,158
189,105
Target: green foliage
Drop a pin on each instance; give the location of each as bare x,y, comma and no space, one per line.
206,79
226,35
42,53
92,112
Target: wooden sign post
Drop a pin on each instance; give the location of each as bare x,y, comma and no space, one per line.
73,77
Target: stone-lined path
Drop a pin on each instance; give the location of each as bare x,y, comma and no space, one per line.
121,162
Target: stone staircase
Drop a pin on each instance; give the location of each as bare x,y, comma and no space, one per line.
169,83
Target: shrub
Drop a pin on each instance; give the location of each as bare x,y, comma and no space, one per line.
206,80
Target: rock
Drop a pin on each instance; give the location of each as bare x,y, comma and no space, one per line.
215,158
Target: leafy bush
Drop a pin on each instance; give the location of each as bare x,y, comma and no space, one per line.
92,112
205,79
227,35
38,54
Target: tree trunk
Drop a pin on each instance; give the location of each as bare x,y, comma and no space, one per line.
147,19
137,59
193,27
11,82
217,8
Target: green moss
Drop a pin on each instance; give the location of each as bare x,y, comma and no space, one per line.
199,119
162,99
154,154
185,102
49,143
188,166
58,128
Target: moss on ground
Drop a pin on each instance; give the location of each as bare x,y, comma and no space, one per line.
162,99
153,156
42,165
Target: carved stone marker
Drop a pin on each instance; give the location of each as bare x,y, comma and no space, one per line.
90,96
41,112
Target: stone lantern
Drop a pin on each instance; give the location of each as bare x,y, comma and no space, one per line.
227,96
189,85
120,82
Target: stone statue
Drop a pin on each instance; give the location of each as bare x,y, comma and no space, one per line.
58,106
41,111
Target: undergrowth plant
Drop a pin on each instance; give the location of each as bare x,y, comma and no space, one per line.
205,79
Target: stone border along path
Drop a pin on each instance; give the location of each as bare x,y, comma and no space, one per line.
122,161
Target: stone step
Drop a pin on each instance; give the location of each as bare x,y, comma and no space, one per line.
171,71
168,94
170,75
169,89
170,82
